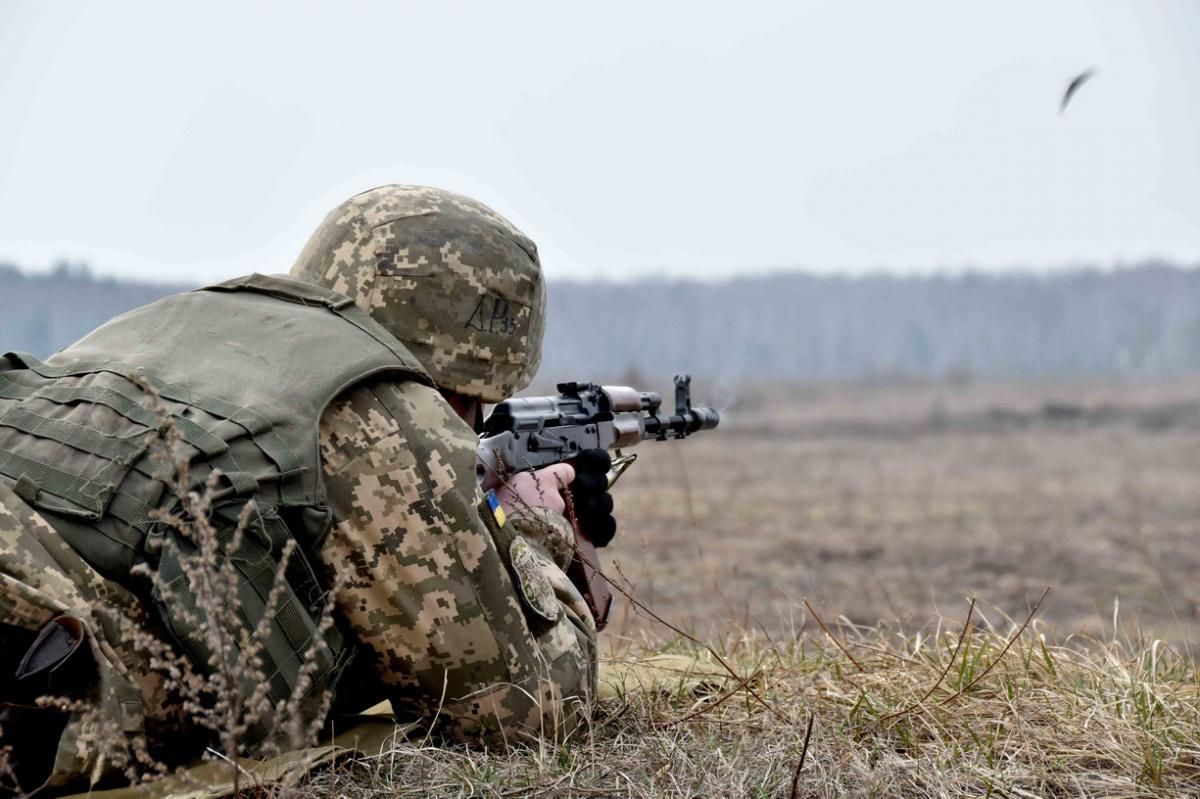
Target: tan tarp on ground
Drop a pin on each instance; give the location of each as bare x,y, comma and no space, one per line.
370,734
375,733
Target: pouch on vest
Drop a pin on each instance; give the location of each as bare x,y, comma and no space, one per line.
293,634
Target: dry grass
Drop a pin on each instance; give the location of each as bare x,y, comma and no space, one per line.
957,711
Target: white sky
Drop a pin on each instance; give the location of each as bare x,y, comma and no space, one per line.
195,141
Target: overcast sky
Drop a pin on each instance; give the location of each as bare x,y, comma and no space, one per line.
195,141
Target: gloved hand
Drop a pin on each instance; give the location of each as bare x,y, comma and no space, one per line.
589,491
543,488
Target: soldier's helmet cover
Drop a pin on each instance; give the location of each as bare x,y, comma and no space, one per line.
445,274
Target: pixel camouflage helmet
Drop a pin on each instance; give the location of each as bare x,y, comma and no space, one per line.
448,276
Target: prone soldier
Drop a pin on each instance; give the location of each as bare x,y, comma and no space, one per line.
343,403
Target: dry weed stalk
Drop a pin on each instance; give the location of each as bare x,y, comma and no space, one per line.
214,698
211,696
1080,718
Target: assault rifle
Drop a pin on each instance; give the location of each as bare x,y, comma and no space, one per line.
535,432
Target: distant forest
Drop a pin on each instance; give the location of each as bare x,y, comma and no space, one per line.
1137,321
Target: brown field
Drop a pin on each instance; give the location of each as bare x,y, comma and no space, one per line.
898,502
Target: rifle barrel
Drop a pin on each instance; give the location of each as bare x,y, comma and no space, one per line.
681,425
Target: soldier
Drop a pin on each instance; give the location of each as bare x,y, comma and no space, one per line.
340,401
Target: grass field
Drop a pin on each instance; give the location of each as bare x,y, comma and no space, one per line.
957,712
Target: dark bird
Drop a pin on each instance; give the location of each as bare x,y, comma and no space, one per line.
1073,86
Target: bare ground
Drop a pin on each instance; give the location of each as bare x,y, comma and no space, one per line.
898,502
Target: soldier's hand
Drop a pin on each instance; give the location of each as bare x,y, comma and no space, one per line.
593,504
543,488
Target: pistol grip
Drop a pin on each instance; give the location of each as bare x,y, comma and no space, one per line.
584,572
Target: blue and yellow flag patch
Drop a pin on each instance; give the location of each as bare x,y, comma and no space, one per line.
497,510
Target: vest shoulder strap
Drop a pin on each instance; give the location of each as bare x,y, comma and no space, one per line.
286,288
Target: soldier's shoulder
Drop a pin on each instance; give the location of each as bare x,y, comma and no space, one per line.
387,410
421,410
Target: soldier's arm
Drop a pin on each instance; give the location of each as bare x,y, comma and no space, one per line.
424,585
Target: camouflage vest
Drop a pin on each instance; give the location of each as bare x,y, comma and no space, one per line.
245,370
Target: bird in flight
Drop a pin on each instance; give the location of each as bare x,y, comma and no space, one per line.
1073,86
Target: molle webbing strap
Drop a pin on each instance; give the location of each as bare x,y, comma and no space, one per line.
133,512
192,433
90,495
254,423
215,449
85,439
67,395
122,450
89,498
56,429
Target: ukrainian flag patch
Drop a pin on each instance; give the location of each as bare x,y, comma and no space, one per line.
497,510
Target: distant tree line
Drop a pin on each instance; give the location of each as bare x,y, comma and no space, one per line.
1138,321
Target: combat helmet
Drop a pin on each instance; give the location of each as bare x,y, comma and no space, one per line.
448,276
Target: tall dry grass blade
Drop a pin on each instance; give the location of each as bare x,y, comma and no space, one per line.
803,755
832,637
1008,645
962,636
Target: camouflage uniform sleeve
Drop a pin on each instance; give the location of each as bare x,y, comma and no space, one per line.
425,586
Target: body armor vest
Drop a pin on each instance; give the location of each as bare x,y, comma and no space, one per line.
243,370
